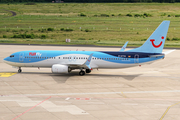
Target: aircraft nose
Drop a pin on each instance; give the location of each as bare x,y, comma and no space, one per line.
5,60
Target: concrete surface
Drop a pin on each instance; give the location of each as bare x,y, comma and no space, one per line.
149,92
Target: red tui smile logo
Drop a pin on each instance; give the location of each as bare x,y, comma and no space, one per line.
156,46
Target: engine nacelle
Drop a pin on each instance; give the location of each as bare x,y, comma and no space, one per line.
58,68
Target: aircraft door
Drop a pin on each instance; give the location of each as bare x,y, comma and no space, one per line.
136,58
21,57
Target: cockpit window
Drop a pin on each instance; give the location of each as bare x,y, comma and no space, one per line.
11,56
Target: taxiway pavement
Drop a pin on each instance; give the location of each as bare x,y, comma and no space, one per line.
149,92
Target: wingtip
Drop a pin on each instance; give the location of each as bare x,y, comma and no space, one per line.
166,21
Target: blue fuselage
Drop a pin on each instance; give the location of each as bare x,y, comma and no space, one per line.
100,59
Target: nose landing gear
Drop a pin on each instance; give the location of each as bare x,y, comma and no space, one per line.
19,70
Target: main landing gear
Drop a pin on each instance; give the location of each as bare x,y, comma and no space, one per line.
88,70
19,70
81,73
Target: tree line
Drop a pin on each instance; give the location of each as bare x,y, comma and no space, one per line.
121,1
92,1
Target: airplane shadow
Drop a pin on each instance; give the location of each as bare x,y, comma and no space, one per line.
62,78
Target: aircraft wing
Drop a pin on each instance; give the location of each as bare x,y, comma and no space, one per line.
85,65
124,47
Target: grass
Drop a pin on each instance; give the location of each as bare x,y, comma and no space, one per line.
112,30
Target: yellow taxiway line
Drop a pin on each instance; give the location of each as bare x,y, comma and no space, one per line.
6,74
168,110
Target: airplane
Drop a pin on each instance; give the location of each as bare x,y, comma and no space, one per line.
85,61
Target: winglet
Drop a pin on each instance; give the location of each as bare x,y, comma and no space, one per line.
87,63
124,47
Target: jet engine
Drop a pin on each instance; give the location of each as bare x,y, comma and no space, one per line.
58,68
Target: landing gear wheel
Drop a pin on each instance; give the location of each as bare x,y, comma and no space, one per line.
69,70
88,70
81,73
19,71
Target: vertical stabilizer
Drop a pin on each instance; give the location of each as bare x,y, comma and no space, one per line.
155,43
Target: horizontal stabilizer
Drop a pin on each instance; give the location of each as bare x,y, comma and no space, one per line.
169,51
155,56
